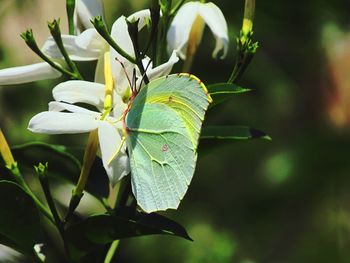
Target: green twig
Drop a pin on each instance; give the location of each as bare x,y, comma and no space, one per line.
102,30
89,157
111,251
153,38
70,7
20,180
164,24
55,31
246,46
134,32
42,171
177,7
12,166
31,43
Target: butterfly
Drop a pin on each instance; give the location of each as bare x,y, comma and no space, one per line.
162,126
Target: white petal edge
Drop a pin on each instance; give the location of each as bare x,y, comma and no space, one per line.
28,73
163,69
214,18
121,35
74,51
110,141
61,106
142,15
75,91
87,9
91,40
180,28
52,122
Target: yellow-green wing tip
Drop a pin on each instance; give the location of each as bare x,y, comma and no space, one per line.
210,100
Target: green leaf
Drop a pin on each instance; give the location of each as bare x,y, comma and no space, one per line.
98,230
223,91
58,157
232,133
64,164
19,221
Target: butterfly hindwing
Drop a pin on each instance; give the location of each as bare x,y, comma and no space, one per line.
163,125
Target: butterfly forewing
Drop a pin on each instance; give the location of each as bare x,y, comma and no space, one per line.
164,124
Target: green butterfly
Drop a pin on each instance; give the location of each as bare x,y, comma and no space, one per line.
163,125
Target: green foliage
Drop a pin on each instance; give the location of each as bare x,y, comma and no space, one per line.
64,163
19,221
220,92
89,234
232,133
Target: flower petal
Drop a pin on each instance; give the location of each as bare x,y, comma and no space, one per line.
29,73
142,15
91,40
74,51
87,9
74,91
215,19
52,122
118,106
163,69
180,28
120,34
110,141
60,106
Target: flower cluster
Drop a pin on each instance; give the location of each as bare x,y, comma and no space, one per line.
114,74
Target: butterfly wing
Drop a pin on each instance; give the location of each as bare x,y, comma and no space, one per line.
164,124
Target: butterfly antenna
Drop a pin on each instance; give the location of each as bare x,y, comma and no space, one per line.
134,80
126,74
144,74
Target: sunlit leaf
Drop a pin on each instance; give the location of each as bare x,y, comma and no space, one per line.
232,133
19,220
103,229
223,91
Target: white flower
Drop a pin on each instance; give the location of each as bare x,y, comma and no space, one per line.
89,45
29,73
187,27
80,120
84,11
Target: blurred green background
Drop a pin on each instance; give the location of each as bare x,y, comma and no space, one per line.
287,200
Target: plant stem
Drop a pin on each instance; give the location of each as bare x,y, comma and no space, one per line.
20,180
177,7
111,251
70,7
55,30
42,171
164,23
31,43
133,32
246,47
153,38
249,11
12,166
102,30
122,197
89,157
